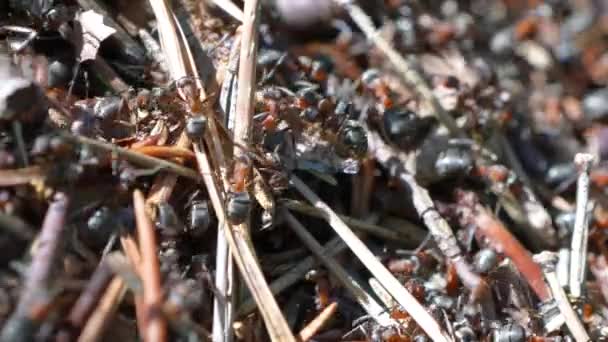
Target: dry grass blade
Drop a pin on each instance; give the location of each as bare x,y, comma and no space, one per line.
238,236
371,306
230,8
86,302
430,326
131,250
156,327
317,323
580,234
100,319
169,39
548,261
223,310
246,262
35,295
134,157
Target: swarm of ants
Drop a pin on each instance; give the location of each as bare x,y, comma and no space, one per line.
278,170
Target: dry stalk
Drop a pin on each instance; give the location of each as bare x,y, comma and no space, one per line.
36,288
130,248
100,319
437,225
238,236
230,8
165,152
86,302
134,157
156,327
246,262
548,261
312,328
580,234
371,306
223,310
430,326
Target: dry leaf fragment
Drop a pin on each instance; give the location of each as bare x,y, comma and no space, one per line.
94,31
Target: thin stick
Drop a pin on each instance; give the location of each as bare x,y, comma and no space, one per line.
165,152
312,328
108,305
333,247
439,228
430,326
410,234
548,261
86,302
405,68
276,325
36,285
223,311
132,251
371,306
239,237
580,234
230,8
156,327
134,157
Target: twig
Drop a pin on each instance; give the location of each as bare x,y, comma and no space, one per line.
312,328
333,247
134,157
547,261
165,152
392,285
108,305
437,225
410,234
230,8
246,262
223,310
371,306
86,302
36,287
405,68
239,236
156,327
580,234
131,250
503,242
